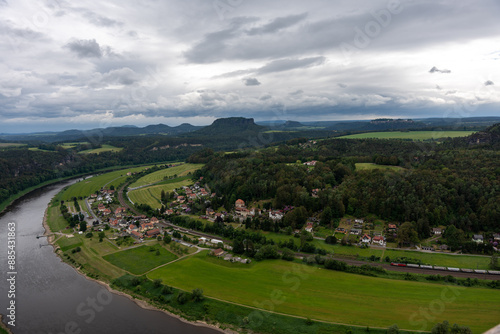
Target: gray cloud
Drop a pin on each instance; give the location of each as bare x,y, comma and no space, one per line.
85,48
278,24
100,20
290,64
489,83
341,85
297,92
251,82
434,69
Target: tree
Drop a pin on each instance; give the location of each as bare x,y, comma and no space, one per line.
454,237
157,283
407,235
494,261
167,239
441,328
394,329
198,295
331,240
83,226
287,255
326,216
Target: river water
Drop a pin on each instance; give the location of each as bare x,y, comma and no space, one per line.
52,298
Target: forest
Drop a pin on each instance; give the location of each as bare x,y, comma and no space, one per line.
451,183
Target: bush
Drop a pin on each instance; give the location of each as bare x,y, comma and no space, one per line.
157,283
287,255
394,329
331,240
198,295
182,297
167,290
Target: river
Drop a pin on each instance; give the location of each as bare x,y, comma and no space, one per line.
52,298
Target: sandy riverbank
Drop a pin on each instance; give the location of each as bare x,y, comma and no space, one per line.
141,303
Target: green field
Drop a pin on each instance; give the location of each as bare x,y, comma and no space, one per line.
445,260
160,175
140,260
415,135
69,243
104,148
90,185
151,195
370,166
334,296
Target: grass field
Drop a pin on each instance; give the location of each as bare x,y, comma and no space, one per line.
370,166
139,260
151,195
158,176
334,296
415,135
69,243
104,148
445,260
91,185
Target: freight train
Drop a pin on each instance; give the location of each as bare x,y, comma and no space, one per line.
423,266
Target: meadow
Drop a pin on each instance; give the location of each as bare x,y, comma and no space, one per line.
321,294
151,195
160,175
445,260
414,135
92,184
140,259
371,166
104,148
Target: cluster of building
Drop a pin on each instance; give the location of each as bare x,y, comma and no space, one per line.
187,196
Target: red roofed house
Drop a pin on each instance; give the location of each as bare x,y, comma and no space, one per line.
153,233
107,211
146,226
392,226
366,238
378,240
240,204
101,207
136,234
218,252
169,212
120,210
154,220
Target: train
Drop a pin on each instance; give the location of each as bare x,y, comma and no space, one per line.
424,266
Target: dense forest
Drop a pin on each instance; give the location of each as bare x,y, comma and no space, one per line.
451,183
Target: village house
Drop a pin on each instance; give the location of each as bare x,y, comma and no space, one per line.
113,222
478,238
146,226
340,230
131,228
101,208
153,233
240,204
378,240
218,252
356,231
169,212
392,227
275,215
366,239
136,235
154,220
209,212
437,231
309,227
496,236
120,210
310,163
106,211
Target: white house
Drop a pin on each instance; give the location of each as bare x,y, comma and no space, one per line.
366,238
478,238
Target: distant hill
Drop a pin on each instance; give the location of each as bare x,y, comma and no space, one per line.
122,131
232,126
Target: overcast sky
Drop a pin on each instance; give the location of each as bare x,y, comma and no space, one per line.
85,64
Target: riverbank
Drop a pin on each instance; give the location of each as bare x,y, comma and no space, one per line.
12,199
139,302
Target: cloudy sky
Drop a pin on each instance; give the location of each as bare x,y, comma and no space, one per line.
85,64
